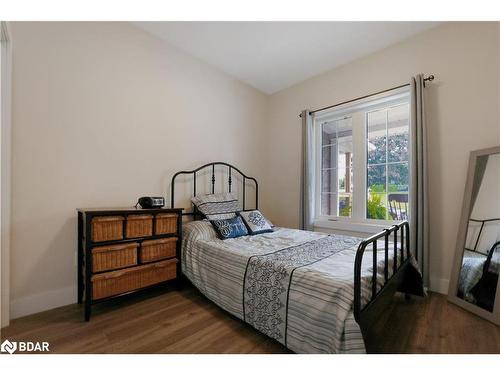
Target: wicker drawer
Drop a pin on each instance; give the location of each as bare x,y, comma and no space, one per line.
157,249
116,282
107,228
105,258
165,223
139,226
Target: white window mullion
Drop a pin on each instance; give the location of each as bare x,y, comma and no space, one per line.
386,161
336,175
359,165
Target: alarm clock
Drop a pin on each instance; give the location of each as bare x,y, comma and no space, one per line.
151,202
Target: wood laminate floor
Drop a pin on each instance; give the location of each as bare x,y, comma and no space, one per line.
186,322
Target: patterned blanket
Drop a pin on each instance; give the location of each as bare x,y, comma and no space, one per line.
294,286
268,278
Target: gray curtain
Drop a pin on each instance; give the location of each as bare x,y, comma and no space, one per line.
419,208
306,214
481,163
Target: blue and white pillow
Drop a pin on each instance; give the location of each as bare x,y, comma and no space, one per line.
217,206
229,228
255,222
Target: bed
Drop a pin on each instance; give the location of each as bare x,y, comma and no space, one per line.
470,274
481,264
310,291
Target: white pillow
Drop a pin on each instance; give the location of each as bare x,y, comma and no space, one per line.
217,206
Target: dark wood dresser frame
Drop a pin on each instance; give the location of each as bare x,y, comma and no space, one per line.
85,245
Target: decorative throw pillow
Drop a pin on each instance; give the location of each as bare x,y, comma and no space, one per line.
229,228
217,206
255,222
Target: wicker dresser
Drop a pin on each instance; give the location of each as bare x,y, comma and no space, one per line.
124,250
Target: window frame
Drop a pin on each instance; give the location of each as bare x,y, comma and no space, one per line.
358,111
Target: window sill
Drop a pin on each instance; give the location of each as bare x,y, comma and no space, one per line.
352,226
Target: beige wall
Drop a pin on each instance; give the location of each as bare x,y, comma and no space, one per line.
102,114
462,112
88,97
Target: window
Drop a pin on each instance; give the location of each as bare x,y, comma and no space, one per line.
362,160
336,167
387,163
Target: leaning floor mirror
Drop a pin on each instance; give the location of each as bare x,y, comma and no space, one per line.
474,284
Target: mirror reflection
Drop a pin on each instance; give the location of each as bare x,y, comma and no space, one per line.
481,258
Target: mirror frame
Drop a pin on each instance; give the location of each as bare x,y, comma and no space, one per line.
461,238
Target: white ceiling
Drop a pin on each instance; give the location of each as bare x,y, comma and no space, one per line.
271,56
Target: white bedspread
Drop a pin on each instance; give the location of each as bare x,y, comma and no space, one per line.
305,303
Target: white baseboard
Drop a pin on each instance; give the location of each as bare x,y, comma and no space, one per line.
42,302
439,285
66,296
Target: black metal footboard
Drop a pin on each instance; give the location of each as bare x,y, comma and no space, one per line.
396,234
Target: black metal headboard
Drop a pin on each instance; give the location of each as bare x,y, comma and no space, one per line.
483,222
231,169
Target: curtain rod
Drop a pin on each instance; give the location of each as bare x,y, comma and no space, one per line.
428,79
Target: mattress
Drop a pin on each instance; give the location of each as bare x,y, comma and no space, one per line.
294,286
